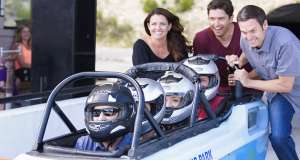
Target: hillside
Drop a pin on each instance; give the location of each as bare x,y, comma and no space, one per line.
131,12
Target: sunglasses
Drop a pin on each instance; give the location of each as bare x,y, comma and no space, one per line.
106,111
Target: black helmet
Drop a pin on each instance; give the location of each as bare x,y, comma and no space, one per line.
121,101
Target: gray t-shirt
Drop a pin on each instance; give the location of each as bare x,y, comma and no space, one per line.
279,56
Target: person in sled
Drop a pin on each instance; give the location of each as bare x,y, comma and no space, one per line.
179,93
154,98
109,119
209,81
154,103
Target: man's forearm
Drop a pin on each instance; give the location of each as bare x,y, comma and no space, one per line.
242,60
276,85
253,75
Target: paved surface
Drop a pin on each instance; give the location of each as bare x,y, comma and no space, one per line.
295,134
108,59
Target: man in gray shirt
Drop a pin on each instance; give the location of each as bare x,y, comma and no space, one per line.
274,54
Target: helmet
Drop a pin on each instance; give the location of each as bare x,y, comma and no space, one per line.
203,66
179,92
120,99
154,100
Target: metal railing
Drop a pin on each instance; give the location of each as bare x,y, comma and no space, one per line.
2,4
33,98
8,58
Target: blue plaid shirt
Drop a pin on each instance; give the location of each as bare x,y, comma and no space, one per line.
87,144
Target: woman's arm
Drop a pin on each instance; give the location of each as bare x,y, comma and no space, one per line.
140,54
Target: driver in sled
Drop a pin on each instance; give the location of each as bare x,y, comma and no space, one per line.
110,115
109,119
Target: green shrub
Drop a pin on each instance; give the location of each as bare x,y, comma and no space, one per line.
149,5
184,5
163,2
109,32
17,11
173,6
23,12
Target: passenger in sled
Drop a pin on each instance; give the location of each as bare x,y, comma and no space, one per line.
208,73
154,103
179,93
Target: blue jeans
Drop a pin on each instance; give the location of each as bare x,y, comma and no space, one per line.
281,113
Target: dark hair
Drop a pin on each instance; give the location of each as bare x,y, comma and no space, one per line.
177,43
225,5
18,38
251,11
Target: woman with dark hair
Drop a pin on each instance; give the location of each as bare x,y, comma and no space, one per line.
164,41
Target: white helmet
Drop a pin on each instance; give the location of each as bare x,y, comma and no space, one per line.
203,66
154,100
179,93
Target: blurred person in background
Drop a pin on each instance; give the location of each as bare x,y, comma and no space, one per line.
23,60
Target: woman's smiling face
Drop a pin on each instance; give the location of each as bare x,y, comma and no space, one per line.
159,26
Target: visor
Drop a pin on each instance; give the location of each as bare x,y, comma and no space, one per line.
103,114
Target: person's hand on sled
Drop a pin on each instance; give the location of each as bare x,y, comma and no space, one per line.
231,80
242,75
232,60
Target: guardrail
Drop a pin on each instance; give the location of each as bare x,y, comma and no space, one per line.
2,4
29,99
8,57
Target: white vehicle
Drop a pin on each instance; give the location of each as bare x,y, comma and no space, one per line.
239,131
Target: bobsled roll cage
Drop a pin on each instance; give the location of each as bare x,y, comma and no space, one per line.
137,150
